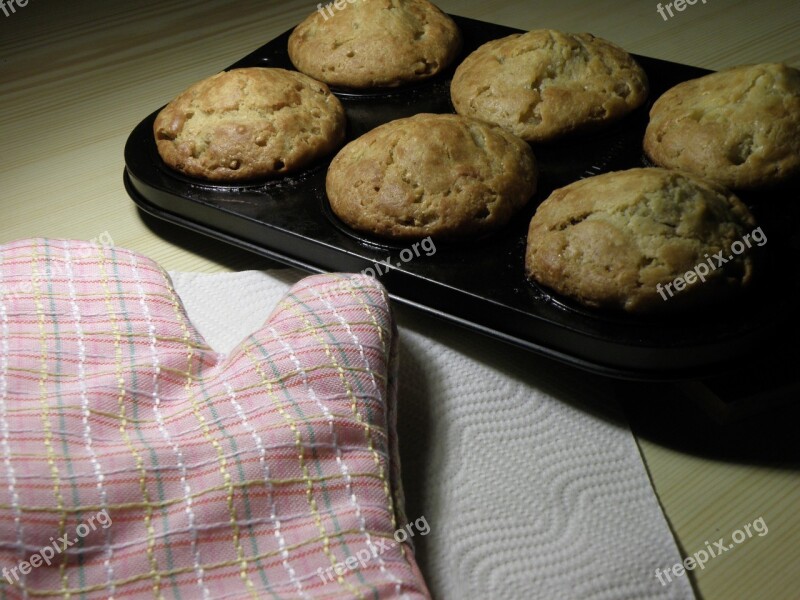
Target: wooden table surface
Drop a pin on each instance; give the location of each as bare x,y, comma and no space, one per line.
76,77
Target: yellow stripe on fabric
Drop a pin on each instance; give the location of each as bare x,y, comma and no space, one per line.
386,358
178,372
43,401
197,345
121,398
189,568
298,440
354,408
206,490
223,463
114,416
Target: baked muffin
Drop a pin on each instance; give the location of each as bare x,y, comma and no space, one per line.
624,240
248,123
375,43
543,85
739,127
443,176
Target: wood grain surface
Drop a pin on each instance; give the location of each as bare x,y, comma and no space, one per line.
76,77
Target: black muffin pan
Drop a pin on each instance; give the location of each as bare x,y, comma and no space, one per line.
481,285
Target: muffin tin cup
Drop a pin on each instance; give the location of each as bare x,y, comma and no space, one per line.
481,285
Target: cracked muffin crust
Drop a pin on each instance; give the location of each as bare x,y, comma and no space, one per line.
375,43
247,123
545,84
444,176
610,240
740,127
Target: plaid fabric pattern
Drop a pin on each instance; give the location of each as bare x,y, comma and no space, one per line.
248,475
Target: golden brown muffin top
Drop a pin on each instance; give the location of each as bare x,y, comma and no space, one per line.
375,43
247,123
740,126
545,84
611,240
444,176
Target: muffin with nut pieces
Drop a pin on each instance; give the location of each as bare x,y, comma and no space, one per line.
544,84
374,43
444,176
739,127
626,239
249,123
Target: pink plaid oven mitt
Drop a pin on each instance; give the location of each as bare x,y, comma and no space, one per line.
136,462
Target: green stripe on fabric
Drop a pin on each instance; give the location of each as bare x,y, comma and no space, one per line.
325,331
244,489
76,499
317,464
153,454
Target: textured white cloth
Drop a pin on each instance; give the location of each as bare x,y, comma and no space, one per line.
529,478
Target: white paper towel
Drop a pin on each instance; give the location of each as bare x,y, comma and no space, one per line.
529,478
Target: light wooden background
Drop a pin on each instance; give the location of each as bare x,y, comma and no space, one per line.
76,77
